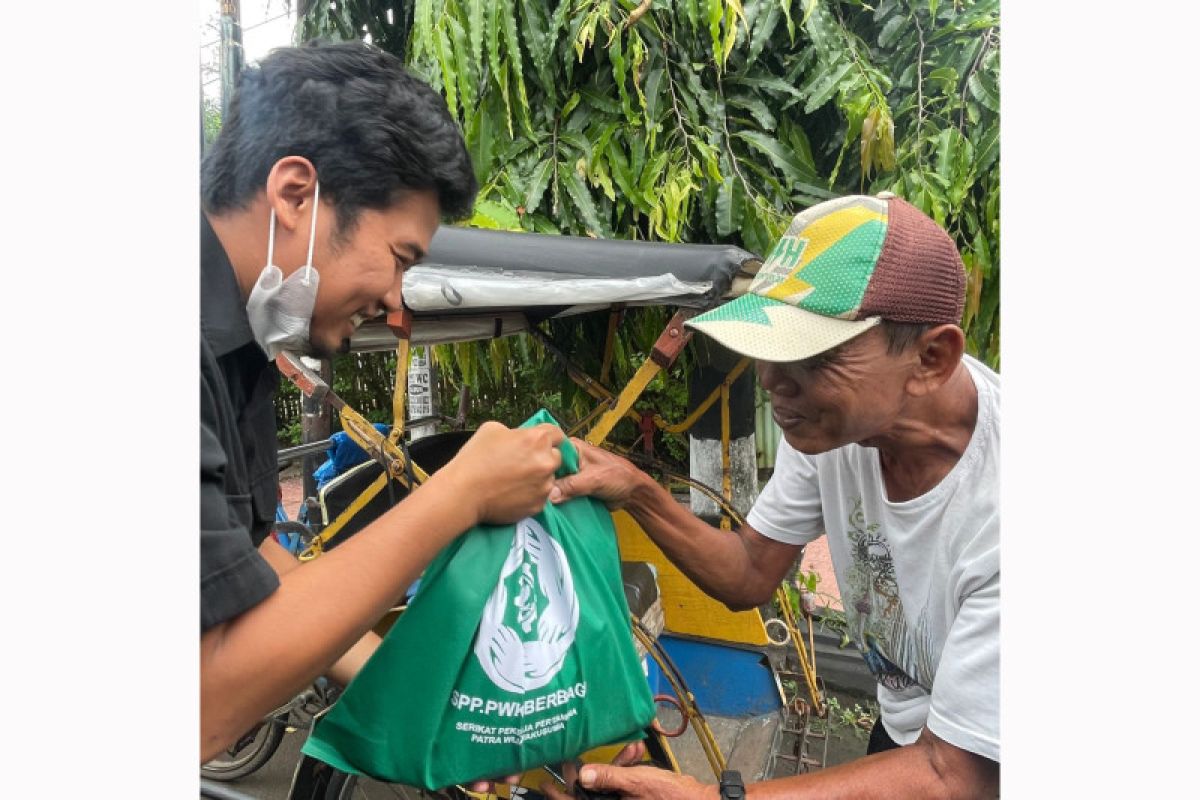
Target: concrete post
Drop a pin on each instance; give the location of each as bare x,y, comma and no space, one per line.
713,364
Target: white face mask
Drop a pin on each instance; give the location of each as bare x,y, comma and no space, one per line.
280,309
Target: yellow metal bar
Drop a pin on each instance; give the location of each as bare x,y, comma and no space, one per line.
806,656
692,418
379,447
637,384
401,390
591,415
687,702
335,527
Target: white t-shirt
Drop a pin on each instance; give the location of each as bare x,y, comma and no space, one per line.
919,580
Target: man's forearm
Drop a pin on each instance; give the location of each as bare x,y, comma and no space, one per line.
257,661
930,769
715,560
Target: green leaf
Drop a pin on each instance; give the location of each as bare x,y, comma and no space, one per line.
443,50
569,106
620,171
538,182
463,65
480,141
578,141
988,150
757,108
494,216
984,93
716,12
502,79
493,42
648,180
653,92
599,102
769,84
784,160
475,26
581,199
616,56
600,140
948,75
537,40
724,207
600,177
892,29
513,46
826,88
763,27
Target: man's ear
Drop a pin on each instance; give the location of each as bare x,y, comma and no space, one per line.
937,354
291,185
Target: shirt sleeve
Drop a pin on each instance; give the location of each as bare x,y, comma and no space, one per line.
964,707
789,508
233,574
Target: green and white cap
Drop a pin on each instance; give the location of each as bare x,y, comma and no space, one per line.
840,268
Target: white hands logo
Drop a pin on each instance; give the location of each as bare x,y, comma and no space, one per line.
542,607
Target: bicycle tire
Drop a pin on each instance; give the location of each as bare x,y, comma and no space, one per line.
267,736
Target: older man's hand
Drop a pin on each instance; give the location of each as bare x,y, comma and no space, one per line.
603,475
633,782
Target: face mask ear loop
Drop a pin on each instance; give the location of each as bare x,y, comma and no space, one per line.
312,236
271,240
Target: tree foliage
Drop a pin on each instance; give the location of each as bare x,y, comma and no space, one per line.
707,121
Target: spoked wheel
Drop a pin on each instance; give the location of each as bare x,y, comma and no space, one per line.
343,786
248,753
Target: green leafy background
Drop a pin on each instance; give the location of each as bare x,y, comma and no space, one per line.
697,121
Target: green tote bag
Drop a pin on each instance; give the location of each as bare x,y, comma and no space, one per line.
515,653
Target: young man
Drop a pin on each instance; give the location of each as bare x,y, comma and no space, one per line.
335,165
891,449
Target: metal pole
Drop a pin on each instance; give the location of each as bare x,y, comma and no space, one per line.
316,424
231,51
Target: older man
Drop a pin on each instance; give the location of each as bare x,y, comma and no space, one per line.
890,449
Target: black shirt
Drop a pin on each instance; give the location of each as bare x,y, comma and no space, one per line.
239,475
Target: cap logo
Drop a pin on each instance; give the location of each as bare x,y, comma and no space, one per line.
779,276
836,255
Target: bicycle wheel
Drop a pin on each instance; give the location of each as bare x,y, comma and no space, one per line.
248,753
343,786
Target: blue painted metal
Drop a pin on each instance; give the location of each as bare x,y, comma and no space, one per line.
727,681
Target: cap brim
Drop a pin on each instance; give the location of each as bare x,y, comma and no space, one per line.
770,330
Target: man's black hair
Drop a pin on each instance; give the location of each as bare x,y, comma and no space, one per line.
373,131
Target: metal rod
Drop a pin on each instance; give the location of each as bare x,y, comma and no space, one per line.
290,454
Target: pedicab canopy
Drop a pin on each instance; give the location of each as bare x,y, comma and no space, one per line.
480,284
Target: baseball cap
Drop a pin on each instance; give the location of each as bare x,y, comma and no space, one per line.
841,267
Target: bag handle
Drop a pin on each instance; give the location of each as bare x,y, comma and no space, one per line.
570,456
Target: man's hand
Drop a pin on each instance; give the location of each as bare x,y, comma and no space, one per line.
637,783
488,787
602,475
506,475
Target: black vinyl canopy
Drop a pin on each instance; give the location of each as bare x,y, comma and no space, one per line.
476,283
